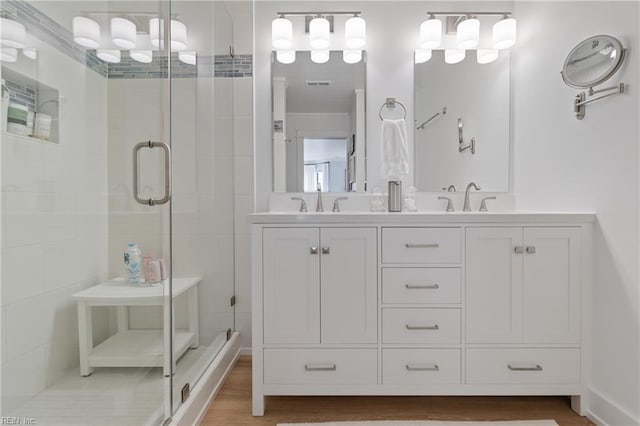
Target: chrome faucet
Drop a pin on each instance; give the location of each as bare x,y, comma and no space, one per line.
336,204
467,206
319,202
450,188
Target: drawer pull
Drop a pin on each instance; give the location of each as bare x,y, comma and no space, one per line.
313,250
518,249
422,367
319,367
422,327
537,367
433,245
531,249
418,286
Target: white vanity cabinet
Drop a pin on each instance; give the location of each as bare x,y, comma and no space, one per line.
420,304
523,285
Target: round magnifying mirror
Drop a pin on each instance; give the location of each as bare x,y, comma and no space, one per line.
593,61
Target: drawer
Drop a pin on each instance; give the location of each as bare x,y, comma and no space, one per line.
421,285
421,245
504,366
321,366
420,325
420,366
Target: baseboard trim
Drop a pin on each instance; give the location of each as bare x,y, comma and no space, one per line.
205,391
604,412
245,351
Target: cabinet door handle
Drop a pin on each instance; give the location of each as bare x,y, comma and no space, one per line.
320,367
314,250
518,249
325,250
421,286
432,245
537,367
531,249
422,327
422,367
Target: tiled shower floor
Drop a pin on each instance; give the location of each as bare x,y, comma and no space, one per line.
113,396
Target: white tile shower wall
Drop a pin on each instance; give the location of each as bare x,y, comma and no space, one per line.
54,229
562,163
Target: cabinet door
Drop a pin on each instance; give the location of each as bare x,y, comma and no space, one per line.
552,285
349,285
494,285
291,283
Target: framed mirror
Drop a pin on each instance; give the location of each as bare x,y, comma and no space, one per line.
462,126
593,61
318,115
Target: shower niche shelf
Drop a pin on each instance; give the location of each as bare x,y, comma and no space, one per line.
39,99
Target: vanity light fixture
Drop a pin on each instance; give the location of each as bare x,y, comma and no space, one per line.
281,33
8,54
143,52
504,33
320,56
352,56
123,33
109,55
86,32
468,33
286,56
486,56
30,52
319,25
319,29
422,55
431,33
188,56
12,33
453,56
178,34
355,33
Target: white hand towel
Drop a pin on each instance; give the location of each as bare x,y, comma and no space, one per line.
395,149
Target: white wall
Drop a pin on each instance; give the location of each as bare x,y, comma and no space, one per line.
562,163
54,229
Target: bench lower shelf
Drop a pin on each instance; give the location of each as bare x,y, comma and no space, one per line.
138,348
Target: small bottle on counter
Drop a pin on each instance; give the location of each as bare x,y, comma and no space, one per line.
132,261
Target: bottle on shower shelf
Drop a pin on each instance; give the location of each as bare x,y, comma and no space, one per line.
132,261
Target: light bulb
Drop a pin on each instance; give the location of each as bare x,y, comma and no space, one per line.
187,56
281,34
8,54
286,56
86,32
109,55
12,33
355,33
485,56
320,56
178,35
123,33
30,52
504,33
319,34
351,56
144,56
422,55
468,33
430,33
453,56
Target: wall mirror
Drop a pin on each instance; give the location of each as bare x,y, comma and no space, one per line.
461,130
318,124
593,61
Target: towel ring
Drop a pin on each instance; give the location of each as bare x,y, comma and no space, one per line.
391,103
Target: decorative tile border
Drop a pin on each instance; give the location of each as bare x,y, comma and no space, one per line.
57,36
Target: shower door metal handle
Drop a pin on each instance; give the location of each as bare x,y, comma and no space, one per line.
167,173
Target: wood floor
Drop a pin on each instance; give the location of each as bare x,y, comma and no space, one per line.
232,407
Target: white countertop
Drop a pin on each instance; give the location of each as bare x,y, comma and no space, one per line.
422,217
